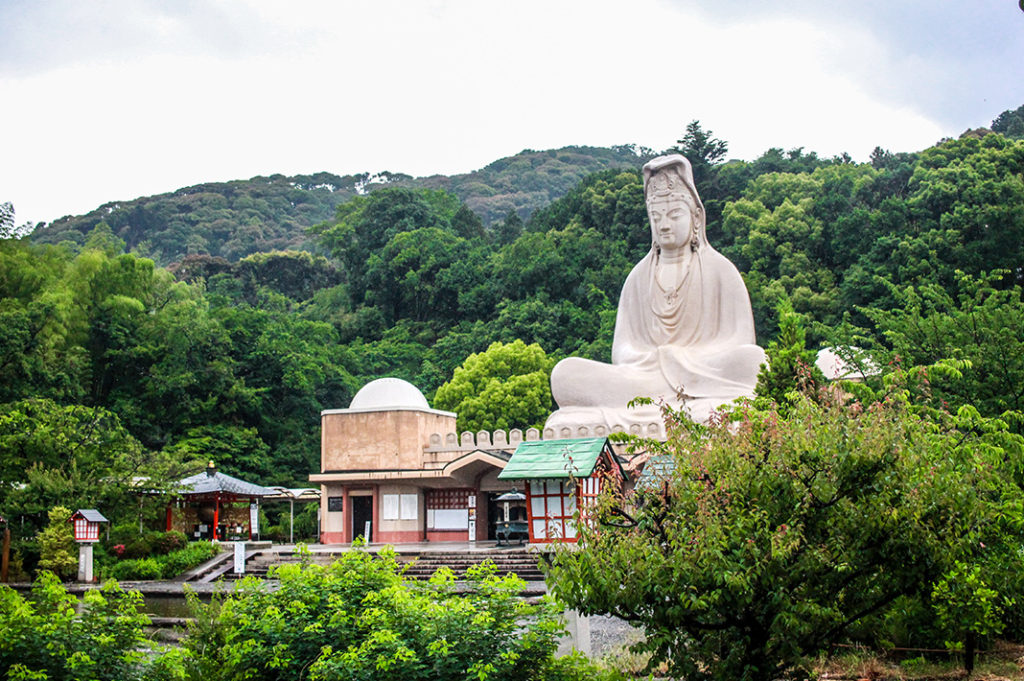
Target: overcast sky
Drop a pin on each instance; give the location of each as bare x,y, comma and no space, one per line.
112,99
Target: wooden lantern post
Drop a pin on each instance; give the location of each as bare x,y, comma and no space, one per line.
87,532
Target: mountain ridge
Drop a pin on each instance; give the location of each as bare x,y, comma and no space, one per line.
236,218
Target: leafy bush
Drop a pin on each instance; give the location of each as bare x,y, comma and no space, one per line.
358,619
44,638
138,568
166,542
163,567
57,550
194,554
139,547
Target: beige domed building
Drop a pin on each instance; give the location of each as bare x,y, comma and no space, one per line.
392,469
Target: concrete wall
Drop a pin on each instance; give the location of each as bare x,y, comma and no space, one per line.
379,439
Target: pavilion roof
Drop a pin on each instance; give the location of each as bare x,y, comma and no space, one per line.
208,482
537,459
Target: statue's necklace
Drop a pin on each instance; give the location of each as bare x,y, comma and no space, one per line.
681,269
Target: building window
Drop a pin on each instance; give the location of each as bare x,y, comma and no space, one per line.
448,509
552,505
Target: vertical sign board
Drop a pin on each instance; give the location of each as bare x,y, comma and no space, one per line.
239,558
471,503
254,520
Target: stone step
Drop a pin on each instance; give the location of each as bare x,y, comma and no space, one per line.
416,565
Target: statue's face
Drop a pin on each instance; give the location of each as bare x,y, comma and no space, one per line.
671,222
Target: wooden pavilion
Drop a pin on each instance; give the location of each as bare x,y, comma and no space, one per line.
216,506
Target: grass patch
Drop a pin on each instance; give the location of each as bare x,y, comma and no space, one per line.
1003,661
163,567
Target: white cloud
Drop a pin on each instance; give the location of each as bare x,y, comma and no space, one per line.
240,89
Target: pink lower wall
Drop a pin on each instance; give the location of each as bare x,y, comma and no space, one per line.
400,537
447,535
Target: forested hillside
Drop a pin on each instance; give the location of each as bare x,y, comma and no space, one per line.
235,219
233,359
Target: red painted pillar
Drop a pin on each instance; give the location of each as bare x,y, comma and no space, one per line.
170,517
375,520
216,516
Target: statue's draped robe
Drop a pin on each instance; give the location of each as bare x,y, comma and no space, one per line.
694,349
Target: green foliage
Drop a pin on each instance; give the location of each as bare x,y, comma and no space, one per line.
776,533
163,565
1010,123
58,552
236,219
45,638
358,619
978,321
789,368
508,386
77,456
703,151
965,605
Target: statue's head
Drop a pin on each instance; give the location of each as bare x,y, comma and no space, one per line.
675,211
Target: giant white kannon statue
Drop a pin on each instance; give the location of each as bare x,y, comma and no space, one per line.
684,333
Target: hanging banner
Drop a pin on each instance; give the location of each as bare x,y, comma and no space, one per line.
254,518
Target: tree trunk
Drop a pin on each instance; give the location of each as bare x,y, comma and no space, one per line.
969,646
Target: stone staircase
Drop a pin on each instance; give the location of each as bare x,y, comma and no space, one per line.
420,565
520,562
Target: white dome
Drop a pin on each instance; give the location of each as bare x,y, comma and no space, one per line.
389,393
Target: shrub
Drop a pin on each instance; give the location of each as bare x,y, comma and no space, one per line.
57,550
44,637
166,542
358,619
139,568
163,567
196,553
140,546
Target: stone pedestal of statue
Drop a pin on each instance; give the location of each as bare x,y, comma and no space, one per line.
684,331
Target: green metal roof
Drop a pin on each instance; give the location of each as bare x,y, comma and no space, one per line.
539,459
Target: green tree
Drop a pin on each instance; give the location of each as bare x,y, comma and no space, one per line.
57,550
508,230
1010,123
977,321
774,534
507,386
703,151
74,456
789,369
365,224
294,274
